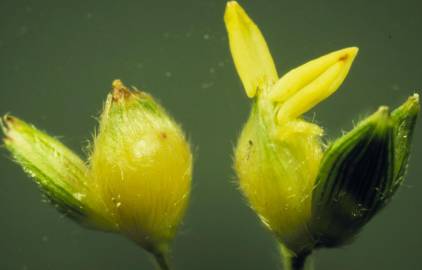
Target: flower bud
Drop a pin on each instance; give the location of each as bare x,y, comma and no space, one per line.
278,153
307,196
141,166
139,175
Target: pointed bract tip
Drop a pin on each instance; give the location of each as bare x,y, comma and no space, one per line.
351,52
382,115
3,126
348,55
415,97
383,111
6,123
410,107
381,120
413,100
120,91
8,118
117,83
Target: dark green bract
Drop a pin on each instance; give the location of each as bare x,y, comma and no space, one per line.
360,172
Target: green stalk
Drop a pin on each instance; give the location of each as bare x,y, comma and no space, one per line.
292,261
162,261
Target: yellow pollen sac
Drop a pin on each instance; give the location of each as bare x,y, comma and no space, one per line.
304,87
250,52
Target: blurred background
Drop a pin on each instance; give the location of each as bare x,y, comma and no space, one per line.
57,62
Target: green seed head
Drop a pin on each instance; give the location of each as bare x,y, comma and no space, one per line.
360,172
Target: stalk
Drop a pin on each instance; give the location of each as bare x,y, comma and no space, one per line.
162,261
292,261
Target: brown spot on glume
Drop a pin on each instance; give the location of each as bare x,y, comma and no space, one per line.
163,135
8,122
9,119
120,91
343,57
250,142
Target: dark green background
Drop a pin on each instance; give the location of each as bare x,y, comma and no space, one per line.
57,61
